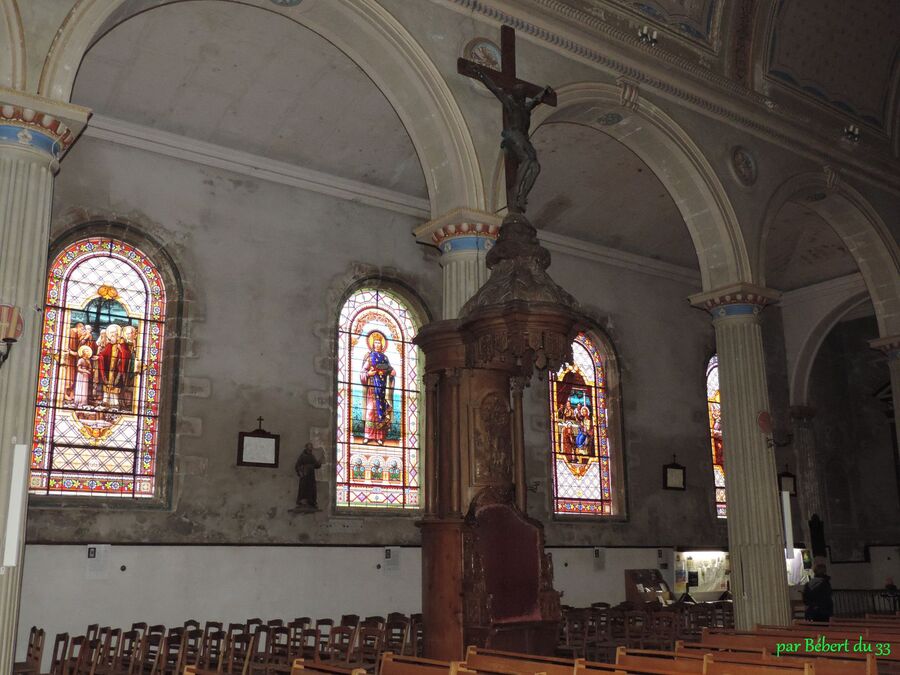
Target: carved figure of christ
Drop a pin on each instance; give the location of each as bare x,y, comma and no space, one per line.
519,98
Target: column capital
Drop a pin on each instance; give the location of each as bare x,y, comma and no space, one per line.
39,124
889,345
460,229
739,299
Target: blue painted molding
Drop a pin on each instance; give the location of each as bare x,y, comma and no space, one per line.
29,137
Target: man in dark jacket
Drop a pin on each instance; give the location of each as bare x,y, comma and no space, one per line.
817,596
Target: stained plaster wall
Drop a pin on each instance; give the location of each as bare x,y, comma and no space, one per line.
662,345
854,445
263,267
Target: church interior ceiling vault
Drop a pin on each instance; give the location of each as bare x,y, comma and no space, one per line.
227,74
843,55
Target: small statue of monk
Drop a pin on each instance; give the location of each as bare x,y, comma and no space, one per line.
306,466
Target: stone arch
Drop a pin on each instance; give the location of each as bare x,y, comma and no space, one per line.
801,369
860,228
370,36
678,163
12,54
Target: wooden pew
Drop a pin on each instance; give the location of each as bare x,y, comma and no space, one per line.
306,667
683,662
397,664
824,664
495,660
705,666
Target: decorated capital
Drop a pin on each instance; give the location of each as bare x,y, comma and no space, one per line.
41,127
736,301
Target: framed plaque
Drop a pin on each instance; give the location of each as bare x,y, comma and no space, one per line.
258,448
674,476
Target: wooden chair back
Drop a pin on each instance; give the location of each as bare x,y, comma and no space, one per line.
129,650
33,654
340,644
370,641
324,626
192,623
141,627
351,620
252,624
156,629
239,651
396,632
58,655
278,649
310,640
92,632
212,649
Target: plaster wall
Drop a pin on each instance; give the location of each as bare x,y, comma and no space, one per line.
263,267
662,346
63,590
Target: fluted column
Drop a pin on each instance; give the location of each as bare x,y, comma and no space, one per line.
891,348
464,236
804,442
755,538
34,133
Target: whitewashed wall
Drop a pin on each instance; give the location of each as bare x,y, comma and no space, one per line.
64,591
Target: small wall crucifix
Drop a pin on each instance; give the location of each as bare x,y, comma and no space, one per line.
519,98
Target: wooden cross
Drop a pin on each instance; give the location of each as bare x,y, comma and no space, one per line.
506,80
260,420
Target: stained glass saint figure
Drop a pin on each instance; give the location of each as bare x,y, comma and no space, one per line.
377,376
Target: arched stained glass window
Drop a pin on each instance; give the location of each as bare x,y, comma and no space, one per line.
714,407
377,403
96,422
582,467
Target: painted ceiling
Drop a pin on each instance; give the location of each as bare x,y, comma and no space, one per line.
840,53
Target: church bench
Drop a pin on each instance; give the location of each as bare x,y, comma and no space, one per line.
708,667
492,659
684,662
824,664
304,667
398,664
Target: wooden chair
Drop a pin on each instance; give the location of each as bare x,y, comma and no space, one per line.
324,626
278,649
92,632
126,660
140,626
310,640
88,655
635,629
370,642
212,648
351,620
396,632
150,656
340,645
661,631
239,651
58,655
415,644
575,635
106,657
35,652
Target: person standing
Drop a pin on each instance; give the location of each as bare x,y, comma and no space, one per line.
817,595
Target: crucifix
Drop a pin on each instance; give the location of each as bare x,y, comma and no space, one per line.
519,98
260,420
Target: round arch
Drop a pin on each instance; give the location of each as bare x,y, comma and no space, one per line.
862,231
12,54
678,163
801,370
368,35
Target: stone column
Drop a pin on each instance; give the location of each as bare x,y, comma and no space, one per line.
755,538
804,442
464,236
891,348
34,133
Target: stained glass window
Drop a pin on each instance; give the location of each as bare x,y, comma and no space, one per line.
714,407
96,421
377,403
582,482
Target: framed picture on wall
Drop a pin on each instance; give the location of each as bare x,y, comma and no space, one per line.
258,448
674,476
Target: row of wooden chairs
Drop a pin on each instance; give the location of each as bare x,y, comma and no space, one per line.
596,632
272,644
